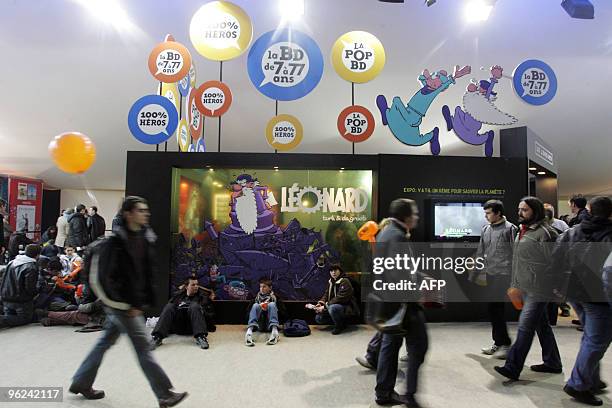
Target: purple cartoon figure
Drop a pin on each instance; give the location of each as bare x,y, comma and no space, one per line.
478,109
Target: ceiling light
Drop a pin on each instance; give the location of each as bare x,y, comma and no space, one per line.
541,173
275,167
108,11
478,10
532,168
291,10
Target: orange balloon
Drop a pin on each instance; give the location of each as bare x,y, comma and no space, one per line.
368,231
72,152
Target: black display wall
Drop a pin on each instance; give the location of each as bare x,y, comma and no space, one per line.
422,178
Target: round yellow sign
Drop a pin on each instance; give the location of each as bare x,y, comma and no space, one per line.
358,56
182,135
220,31
284,132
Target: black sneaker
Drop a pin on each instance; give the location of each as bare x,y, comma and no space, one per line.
599,388
174,398
411,402
155,342
202,341
586,397
543,368
393,399
364,362
337,329
506,373
89,394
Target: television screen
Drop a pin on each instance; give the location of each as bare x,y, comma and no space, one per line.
458,221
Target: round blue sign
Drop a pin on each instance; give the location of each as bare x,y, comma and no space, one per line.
153,119
200,145
184,85
535,82
285,65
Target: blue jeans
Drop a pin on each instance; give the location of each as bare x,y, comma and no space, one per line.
333,314
118,322
597,323
416,343
17,314
533,319
255,315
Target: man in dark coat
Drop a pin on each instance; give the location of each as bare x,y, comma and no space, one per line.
121,272
19,288
580,255
78,236
577,205
95,224
189,311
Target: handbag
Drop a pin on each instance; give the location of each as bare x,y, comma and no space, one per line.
386,317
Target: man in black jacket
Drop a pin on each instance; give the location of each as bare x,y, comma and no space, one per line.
580,253
19,288
18,239
121,273
95,224
186,313
577,205
78,235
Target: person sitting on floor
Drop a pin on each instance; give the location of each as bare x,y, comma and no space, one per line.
53,294
264,310
19,288
188,312
72,263
338,301
91,315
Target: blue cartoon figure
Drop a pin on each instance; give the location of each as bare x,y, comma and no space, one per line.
405,120
478,108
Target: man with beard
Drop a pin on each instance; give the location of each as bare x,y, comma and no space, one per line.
405,120
531,259
580,254
478,108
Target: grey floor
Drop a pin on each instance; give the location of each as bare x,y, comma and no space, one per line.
314,371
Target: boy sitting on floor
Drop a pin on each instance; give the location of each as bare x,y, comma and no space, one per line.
338,301
265,303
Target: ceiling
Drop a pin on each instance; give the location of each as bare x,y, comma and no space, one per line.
63,69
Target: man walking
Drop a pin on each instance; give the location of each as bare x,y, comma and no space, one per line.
121,274
581,253
495,247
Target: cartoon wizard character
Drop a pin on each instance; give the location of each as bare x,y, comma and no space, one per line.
405,120
478,108
251,203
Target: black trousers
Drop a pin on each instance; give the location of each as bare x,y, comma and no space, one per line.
181,321
496,294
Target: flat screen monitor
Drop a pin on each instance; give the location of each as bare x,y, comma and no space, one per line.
458,221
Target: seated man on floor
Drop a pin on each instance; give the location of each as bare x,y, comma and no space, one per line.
264,310
338,302
19,288
91,315
72,263
188,312
53,293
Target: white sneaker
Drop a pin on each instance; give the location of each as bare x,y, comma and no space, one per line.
249,340
489,351
272,340
502,352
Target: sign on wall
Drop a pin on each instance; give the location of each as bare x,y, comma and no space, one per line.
153,119
285,65
356,123
535,82
284,132
358,56
220,31
169,61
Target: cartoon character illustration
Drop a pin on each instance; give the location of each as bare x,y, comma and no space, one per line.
250,206
478,108
405,120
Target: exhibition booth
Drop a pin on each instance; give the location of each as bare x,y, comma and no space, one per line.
231,219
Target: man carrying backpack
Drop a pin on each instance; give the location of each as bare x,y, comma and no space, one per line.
121,273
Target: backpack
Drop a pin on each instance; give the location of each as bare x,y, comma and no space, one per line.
296,328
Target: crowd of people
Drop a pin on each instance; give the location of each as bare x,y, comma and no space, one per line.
70,277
